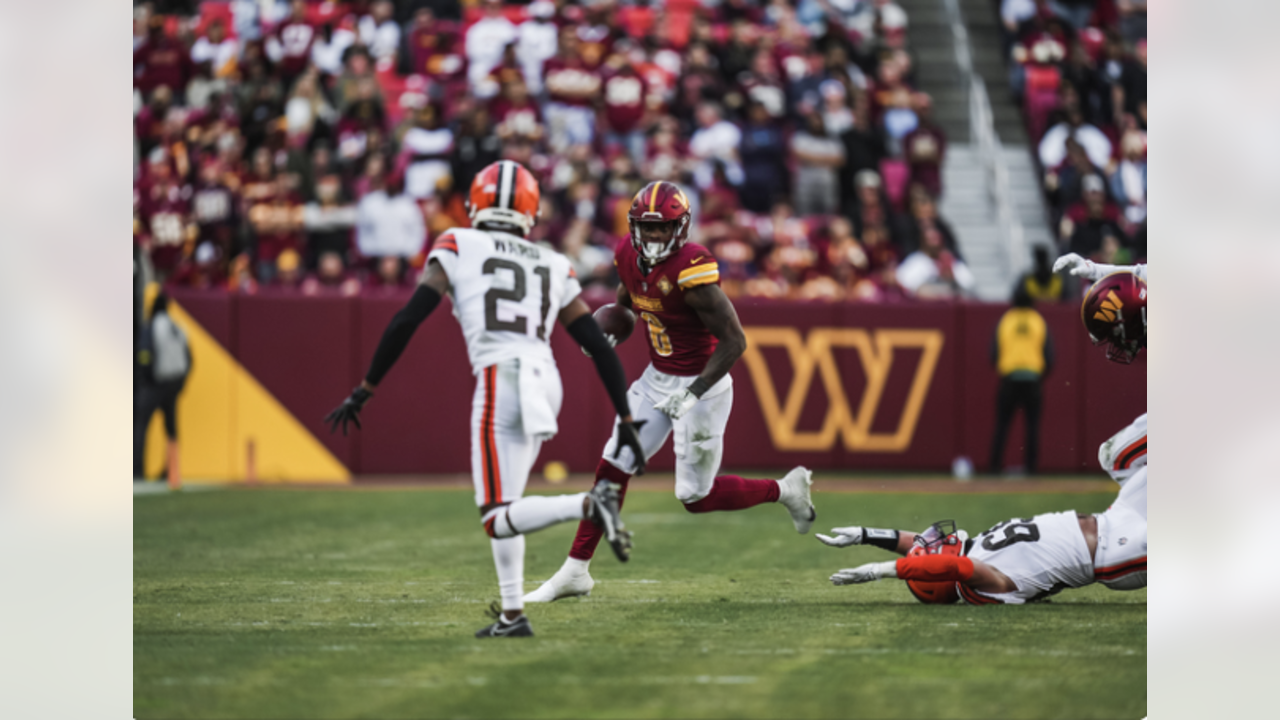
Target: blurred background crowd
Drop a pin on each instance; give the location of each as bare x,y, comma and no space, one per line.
318,147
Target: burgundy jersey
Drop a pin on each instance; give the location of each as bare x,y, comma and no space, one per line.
295,44
679,344
570,81
624,100
166,209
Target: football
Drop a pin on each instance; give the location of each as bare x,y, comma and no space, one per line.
615,320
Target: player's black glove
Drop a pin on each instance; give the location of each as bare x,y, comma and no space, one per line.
349,410
629,436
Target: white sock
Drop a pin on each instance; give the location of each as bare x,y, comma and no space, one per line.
575,566
508,557
534,513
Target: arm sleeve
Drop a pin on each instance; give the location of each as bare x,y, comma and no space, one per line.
587,333
1100,271
400,330
934,568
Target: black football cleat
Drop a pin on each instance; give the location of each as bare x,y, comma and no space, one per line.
520,627
605,513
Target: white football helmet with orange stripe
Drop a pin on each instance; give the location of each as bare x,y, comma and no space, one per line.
504,196
659,202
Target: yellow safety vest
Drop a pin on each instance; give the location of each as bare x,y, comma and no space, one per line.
1020,339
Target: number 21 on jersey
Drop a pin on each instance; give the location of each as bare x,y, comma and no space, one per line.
657,334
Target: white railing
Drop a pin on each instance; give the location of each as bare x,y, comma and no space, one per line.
986,141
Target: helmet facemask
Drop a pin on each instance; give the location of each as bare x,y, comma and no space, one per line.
653,251
940,534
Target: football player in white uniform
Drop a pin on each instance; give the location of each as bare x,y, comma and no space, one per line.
506,292
1021,560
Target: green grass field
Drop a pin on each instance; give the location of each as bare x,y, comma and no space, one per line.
362,604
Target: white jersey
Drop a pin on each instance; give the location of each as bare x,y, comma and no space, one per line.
1041,555
507,293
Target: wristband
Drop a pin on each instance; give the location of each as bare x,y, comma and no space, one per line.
698,387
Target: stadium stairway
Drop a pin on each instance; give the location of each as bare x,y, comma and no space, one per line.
966,203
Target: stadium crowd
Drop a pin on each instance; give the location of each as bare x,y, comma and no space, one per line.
318,147
1079,70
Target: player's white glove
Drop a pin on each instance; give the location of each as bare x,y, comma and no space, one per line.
1078,266
613,342
677,404
866,573
845,537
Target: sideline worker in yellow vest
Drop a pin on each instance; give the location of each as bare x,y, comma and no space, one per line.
1023,354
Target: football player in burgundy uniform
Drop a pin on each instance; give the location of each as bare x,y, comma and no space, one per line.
694,338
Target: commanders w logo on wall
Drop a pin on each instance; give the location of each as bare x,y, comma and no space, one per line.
850,419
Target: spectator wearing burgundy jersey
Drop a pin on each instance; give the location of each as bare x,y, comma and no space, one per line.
277,226
216,209
435,48
572,89
289,47
161,60
165,209
625,94
149,123
517,115
925,148
205,271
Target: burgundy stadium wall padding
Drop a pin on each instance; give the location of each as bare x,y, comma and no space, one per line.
834,386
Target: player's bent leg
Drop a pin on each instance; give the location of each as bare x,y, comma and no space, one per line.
653,434
1124,453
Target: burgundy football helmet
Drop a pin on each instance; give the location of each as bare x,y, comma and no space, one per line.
941,538
1114,312
659,202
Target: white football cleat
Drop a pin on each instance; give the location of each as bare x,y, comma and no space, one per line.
793,494
569,581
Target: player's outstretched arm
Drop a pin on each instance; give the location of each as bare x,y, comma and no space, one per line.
394,340
721,320
899,541
576,318
930,568
1090,270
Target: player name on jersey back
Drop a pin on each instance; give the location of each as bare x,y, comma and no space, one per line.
507,292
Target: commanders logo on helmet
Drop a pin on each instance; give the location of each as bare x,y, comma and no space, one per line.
659,202
504,196
941,538
1114,312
